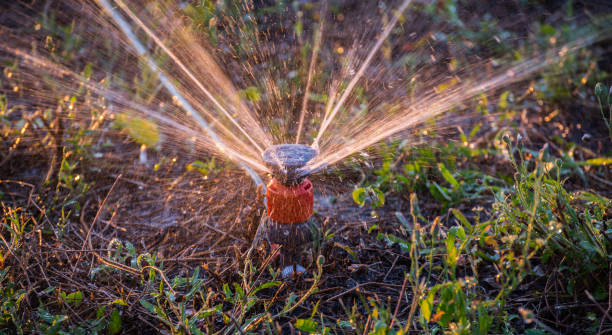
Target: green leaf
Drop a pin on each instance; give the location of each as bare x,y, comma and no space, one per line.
347,249
74,298
464,138
391,239
141,130
306,325
196,274
265,286
427,305
379,198
48,290
119,301
100,312
148,306
359,196
289,302
322,98
203,313
484,319
3,103
474,131
87,71
114,325
597,161
448,176
251,93
402,220
56,324
439,192
299,28
228,292
380,328
462,219
503,100
460,233
344,324
45,315
238,290
547,30
451,249
203,168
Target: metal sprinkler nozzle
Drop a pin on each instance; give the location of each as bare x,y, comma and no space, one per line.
290,201
287,160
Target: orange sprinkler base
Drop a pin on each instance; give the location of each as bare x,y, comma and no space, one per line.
290,204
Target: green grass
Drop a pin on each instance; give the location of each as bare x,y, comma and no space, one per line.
533,224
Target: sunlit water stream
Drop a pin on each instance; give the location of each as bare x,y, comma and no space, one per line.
366,95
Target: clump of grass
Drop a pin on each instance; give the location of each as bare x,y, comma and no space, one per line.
535,228
571,226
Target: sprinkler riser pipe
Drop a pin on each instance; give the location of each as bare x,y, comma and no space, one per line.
289,201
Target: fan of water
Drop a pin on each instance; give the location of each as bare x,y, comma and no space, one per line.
234,92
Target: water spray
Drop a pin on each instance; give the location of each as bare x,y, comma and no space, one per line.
140,49
289,201
289,195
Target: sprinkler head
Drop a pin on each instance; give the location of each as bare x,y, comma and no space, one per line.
289,194
289,201
286,160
